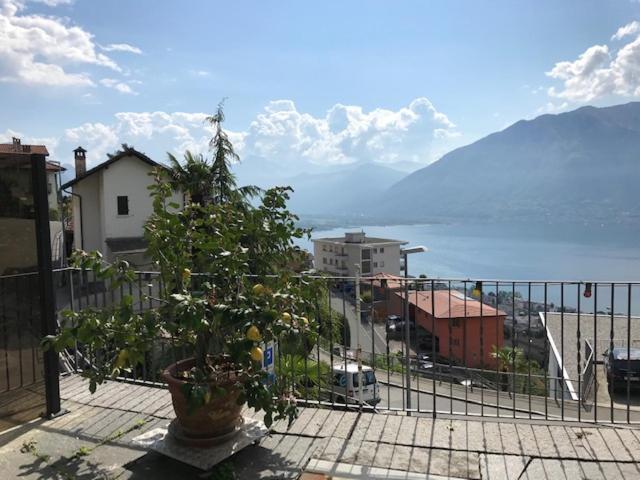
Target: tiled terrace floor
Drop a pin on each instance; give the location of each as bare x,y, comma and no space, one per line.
94,440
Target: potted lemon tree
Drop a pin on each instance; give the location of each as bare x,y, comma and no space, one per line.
224,289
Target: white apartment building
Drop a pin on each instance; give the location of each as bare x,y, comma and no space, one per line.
339,256
111,204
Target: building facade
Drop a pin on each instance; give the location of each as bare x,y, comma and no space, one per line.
17,209
111,203
339,256
464,329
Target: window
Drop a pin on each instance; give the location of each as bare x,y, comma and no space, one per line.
381,249
123,205
324,260
324,248
331,261
375,250
368,378
366,267
366,254
381,264
455,322
455,342
375,264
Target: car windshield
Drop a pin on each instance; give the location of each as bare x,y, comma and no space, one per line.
621,353
368,378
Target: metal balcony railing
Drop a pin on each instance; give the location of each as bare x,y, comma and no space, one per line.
519,349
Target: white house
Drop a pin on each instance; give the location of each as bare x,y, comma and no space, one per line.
339,256
111,204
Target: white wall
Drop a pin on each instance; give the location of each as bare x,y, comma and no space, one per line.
387,262
52,189
129,177
89,189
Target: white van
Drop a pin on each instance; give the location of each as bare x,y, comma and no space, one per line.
345,384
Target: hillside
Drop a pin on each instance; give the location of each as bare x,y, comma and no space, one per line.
582,166
350,190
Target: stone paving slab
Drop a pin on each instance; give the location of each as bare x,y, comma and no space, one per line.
573,470
465,448
502,467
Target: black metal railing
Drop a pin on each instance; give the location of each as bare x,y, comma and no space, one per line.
552,350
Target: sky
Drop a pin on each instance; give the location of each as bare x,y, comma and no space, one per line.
309,86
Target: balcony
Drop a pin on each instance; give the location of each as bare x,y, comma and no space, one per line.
442,410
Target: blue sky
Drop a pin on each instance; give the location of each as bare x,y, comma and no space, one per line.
310,85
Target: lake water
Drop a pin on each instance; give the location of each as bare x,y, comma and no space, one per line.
520,252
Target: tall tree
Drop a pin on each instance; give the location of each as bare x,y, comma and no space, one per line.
211,181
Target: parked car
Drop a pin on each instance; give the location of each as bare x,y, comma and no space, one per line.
621,369
345,384
395,328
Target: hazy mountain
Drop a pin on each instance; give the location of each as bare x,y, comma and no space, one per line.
581,166
353,189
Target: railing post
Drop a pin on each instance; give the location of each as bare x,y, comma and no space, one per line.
45,281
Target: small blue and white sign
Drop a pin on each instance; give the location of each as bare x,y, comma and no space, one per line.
268,356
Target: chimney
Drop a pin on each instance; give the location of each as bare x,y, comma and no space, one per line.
80,155
16,144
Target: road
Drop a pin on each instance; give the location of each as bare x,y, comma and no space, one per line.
456,398
370,338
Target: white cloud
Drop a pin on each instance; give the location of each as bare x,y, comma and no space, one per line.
552,107
599,72
152,132
118,85
626,30
414,134
200,73
121,47
50,142
46,50
54,3
282,139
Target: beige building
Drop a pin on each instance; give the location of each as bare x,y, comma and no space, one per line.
111,204
17,209
339,256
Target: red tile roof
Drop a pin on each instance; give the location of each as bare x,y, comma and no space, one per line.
454,305
23,149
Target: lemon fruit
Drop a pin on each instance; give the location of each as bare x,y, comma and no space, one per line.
122,358
286,317
258,289
186,274
305,321
256,354
253,333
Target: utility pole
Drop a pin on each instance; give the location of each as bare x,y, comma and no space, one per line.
407,333
358,346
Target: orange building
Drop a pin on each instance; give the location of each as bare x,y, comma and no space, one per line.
466,330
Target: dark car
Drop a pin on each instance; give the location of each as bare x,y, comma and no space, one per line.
622,369
395,328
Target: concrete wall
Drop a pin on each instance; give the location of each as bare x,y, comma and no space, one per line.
52,190
129,177
18,243
381,262
90,190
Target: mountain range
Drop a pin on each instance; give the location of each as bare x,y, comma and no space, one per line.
579,166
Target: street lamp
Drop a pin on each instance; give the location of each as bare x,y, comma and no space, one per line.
405,252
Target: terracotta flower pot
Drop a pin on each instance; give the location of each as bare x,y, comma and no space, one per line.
218,418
